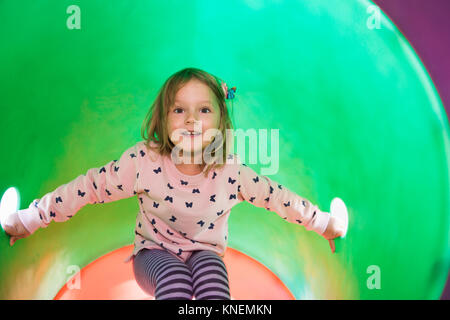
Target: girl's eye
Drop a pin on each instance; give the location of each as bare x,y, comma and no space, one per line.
203,110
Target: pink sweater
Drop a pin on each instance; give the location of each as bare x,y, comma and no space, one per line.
177,212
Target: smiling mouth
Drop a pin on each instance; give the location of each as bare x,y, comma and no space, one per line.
191,134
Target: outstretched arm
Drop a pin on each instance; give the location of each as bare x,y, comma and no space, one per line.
263,192
114,181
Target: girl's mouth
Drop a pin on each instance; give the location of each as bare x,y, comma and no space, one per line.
191,134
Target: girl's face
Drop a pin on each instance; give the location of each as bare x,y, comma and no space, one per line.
196,110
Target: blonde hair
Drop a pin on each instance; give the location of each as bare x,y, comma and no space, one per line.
154,127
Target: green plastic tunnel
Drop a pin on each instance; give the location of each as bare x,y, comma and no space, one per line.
357,114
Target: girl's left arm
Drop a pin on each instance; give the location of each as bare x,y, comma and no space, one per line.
265,193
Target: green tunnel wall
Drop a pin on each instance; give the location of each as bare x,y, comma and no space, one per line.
357,114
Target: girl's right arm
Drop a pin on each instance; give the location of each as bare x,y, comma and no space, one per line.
114,181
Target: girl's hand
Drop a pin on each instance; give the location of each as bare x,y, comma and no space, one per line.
14,228
334,229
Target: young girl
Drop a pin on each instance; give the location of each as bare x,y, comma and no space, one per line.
185,201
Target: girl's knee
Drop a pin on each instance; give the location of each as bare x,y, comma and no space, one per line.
175,285
210,277
162,275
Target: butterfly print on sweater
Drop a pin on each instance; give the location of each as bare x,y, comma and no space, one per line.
201,223
157,170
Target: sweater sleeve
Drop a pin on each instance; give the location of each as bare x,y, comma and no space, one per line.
114,181
265,193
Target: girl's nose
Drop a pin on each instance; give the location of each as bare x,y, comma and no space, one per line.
191,118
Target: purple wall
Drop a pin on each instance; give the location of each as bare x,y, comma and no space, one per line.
426,24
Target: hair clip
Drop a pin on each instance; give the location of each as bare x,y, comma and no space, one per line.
229,93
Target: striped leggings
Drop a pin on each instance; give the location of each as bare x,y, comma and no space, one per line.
165,277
